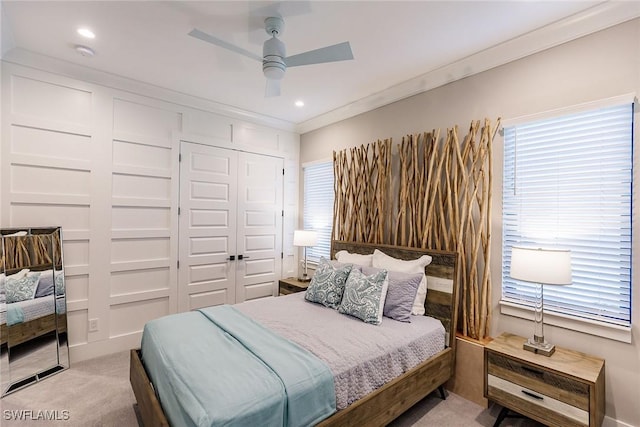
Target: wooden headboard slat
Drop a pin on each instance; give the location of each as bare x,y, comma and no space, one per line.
441,303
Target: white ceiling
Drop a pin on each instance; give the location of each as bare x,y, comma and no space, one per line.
397,45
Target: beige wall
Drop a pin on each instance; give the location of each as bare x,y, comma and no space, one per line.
594,67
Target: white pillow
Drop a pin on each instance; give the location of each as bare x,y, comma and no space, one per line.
19,275
382,260
349,258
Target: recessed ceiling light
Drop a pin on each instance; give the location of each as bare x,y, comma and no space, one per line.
85,32
299,103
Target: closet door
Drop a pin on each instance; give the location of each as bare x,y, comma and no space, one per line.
207,226
260,188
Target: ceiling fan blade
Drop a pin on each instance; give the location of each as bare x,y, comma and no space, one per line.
272,89
337,52
218,42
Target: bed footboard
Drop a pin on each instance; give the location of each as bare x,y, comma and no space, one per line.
394,398
148,405
376,409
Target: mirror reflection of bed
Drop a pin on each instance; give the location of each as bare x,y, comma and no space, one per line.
33,324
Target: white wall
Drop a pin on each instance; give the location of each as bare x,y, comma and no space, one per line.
597,66
103,163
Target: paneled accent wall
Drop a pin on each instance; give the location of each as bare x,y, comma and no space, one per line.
103,164
143,213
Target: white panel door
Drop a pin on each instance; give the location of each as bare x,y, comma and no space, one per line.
260,188
208,219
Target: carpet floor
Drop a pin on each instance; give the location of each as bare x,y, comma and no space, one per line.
97,393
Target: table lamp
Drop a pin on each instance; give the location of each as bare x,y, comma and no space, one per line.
305,238
542,267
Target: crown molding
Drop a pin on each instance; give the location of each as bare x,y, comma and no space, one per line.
597,18
25,58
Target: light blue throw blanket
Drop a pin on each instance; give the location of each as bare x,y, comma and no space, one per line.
15,314
217,367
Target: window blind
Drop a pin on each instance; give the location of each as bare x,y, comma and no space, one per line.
318,207
568,183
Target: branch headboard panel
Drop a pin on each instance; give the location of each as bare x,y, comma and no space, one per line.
442,278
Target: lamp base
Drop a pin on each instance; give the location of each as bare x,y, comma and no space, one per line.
537,347
304,278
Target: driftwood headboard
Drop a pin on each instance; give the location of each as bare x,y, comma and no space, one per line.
442,278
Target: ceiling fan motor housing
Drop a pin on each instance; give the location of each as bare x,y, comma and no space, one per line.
273,54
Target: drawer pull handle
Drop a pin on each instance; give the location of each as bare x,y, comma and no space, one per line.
535,396
533,371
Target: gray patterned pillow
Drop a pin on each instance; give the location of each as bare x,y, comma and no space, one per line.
21,289
403,288
364,296
327,284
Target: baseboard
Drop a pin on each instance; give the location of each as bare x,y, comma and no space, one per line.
80,352
611,422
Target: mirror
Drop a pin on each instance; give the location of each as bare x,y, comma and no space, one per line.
33,309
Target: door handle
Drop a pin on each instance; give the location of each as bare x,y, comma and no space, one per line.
232,258
241,257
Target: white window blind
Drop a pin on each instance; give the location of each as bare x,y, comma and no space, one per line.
318,207
568,183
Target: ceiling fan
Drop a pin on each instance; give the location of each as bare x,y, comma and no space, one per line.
274,58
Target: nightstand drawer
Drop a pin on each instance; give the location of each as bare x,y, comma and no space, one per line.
558,387
527,401
565,389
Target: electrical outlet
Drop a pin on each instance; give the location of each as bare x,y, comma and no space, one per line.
93,325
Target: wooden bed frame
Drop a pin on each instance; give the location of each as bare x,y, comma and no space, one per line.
389,401
25,331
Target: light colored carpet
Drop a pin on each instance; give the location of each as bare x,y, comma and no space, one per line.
97,393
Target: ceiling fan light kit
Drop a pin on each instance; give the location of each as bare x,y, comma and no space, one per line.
274,54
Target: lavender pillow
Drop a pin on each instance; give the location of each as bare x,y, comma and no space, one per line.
401,293
45,284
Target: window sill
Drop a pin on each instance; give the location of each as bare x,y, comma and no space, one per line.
592,327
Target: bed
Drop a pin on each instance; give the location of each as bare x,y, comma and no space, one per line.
30,319
378,406
21,321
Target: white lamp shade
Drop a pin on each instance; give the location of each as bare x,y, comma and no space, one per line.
305,238
546,266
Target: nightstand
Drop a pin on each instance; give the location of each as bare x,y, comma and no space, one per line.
291,285
563,390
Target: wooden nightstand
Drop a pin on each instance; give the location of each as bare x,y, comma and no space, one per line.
563,390
291,285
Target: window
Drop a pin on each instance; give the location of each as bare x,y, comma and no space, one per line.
568,183
318,207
